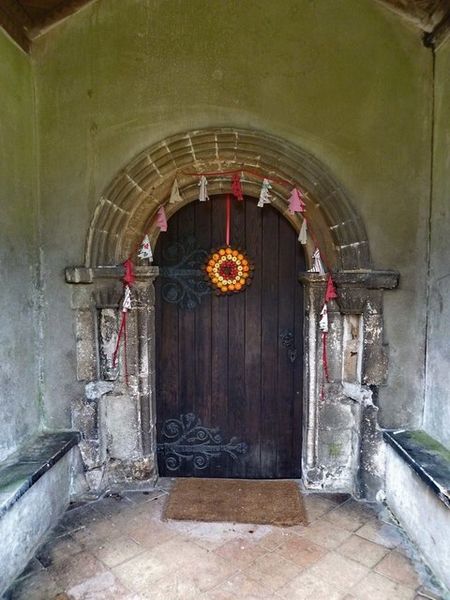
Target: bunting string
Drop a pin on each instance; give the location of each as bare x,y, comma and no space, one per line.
295,205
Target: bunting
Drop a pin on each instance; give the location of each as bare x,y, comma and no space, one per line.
265,196
303,235
296,203
161,219
175,196
146,250
203,193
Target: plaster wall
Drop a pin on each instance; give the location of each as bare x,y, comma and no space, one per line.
347,81
414,504
19,398
437,404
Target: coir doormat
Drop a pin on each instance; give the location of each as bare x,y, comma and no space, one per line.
237,501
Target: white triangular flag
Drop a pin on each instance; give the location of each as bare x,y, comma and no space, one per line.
203,193
323,323
146,249
303,235
264,195
317,263
175,196
126,304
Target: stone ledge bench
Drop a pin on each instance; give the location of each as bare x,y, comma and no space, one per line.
34,493
418,493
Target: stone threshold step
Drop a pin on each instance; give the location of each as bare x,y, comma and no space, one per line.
26,466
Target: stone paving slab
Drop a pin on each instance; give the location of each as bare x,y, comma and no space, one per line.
119,547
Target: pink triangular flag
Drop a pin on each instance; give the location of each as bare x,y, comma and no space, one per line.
330,293
161,219
296,203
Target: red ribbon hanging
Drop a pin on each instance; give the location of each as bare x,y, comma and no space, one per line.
330,294
128,279
236,187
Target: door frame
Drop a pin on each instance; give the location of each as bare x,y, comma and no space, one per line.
117,421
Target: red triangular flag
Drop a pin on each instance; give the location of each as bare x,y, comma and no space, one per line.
331,293
161,219
296,203
236,187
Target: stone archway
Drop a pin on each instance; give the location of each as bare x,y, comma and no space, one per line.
129,203
117,421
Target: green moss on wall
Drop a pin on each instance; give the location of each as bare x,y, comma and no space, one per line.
429,443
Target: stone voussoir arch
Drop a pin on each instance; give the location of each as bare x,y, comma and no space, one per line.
128,205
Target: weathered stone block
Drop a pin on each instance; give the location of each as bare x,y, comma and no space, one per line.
336,416
352,348
95,479
92,453
96,389
135,472
122,426
108,331
84,418
86,345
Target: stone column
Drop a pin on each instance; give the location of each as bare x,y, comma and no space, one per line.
116,418
341,435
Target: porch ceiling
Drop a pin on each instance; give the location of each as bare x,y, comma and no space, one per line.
26,19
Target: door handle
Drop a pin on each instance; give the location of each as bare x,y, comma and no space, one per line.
287,341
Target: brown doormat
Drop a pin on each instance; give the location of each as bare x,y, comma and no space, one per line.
236,500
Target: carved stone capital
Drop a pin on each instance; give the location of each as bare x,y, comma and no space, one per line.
85,275
358,291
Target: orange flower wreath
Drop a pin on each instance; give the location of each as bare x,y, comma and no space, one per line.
228,270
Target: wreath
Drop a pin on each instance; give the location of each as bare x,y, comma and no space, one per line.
228,270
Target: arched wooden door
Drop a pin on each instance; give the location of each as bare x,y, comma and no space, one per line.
229,368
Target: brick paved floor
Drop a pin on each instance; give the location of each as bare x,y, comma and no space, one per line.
119,548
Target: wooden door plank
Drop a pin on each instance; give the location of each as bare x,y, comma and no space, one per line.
299,320
237,411
167,366
186,339
269,337
219,346
253,227
288,248
202,316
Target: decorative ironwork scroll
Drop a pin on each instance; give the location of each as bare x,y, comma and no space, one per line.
182,268
189,440
287,340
